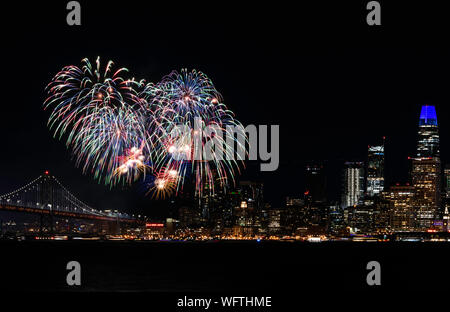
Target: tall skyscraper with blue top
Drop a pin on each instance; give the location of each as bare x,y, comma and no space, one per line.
426,170
428,140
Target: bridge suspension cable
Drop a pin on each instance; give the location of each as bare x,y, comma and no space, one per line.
47,193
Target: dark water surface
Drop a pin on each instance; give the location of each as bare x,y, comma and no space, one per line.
218,267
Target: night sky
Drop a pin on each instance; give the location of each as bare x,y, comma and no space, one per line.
332,83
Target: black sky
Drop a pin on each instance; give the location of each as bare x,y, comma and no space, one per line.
332,83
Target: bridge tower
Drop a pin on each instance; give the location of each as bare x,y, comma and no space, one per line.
47,198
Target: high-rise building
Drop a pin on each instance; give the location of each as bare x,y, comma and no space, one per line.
275,221
426,178
353,184
447,195
401,199
428,135
426,170
447,181
295,214
316,182
446,191
337,222
249,207
315,213
446,219
375,170
252,194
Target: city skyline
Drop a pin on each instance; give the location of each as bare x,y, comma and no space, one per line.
366,206
331,116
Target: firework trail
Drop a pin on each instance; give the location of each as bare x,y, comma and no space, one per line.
101,116
164,183
190,102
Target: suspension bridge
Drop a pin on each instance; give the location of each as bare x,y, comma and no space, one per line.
45,195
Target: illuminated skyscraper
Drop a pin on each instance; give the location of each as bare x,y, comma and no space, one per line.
426,170
250,206
353,183
428,138
447,182
446,219
447,191
375,170
401,199
426,178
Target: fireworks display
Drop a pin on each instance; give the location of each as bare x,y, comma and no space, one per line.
101,116
120,129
